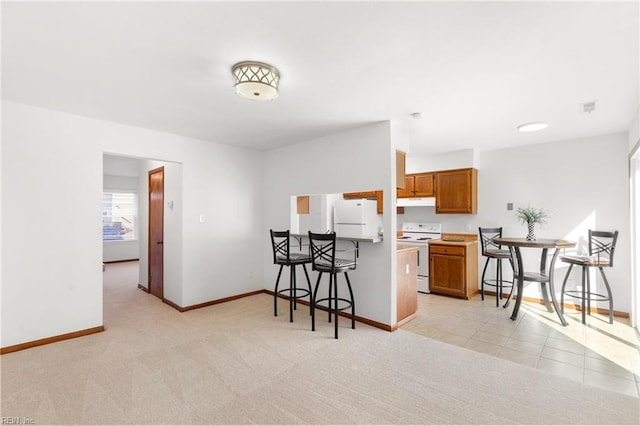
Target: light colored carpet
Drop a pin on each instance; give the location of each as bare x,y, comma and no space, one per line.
235,363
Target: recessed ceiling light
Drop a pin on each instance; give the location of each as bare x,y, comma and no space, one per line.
532,127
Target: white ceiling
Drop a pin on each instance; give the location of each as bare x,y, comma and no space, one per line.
475,70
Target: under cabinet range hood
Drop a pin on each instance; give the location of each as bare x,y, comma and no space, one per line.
416,202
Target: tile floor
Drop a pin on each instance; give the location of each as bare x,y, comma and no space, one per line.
599,354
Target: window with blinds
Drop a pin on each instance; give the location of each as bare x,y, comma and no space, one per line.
119,216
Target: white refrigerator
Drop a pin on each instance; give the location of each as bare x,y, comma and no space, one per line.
356,218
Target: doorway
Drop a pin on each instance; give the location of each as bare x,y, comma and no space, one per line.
121,171
156,232
634,170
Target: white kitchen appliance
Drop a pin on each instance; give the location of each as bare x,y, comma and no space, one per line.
355,218
319,217
419,234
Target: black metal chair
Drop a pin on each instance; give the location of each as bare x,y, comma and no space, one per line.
602,245
282,255
491,250
323,255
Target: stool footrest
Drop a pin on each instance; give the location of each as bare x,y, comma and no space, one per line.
577,294
494,283
347,301
304,291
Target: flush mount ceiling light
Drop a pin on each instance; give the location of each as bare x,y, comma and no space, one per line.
532,127
256,80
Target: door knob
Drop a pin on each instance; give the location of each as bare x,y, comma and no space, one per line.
159,242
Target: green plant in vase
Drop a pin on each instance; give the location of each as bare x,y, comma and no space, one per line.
531,216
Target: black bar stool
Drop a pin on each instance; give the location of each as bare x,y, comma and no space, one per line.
491,250
323,255
282,255
602,245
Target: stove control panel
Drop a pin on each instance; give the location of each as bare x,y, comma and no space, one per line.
422,227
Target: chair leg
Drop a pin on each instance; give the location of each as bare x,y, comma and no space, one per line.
584,274
275,293
353,302
330,295
314,296
484,270
306,274
295,288
564,284
498,281
292,287
335,306
588,292
606,284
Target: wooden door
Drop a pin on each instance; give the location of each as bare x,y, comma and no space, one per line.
407,284
156,233
423,184
408,190
447,275
456,191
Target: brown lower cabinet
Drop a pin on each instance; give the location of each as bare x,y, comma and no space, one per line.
453,268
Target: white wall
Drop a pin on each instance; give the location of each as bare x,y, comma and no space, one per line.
634,148
634,132
51,278
53,285
352,161
116,250
584,183
442,161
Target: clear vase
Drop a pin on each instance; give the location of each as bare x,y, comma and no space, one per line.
531,235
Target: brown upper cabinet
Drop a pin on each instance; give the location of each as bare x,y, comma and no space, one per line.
457,191
359,195
424,184
303,204
417,185
401,161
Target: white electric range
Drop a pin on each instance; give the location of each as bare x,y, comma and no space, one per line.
419,234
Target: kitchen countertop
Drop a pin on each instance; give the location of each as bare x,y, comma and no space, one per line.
363,239
459,243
